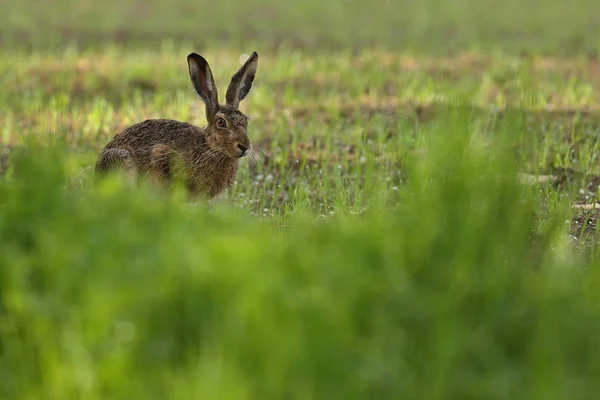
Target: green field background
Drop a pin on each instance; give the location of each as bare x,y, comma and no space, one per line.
386,246
422,26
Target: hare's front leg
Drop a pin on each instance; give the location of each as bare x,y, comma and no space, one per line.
160,164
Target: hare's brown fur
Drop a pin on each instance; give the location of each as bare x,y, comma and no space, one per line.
205,159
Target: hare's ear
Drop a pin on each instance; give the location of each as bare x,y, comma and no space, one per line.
241,82
204,83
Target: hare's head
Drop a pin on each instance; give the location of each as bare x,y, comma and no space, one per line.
227,127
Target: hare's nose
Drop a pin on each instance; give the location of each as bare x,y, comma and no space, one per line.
242,149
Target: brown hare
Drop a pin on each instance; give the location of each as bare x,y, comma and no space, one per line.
205,159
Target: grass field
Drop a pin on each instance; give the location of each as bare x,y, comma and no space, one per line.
421,224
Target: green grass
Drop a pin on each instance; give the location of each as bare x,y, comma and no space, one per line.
387,246
449,286
424,26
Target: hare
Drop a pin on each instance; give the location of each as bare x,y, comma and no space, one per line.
208,157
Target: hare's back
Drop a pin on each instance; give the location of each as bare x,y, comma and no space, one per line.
151,132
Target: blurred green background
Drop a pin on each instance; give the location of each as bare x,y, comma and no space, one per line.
439,26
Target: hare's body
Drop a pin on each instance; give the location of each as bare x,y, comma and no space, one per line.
205,159
153,147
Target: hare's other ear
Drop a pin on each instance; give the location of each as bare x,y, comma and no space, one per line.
204,83
241,82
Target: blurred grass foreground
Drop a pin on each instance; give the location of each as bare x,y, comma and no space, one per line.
114,292
376,254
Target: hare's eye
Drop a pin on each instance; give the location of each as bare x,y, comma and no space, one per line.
221,123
